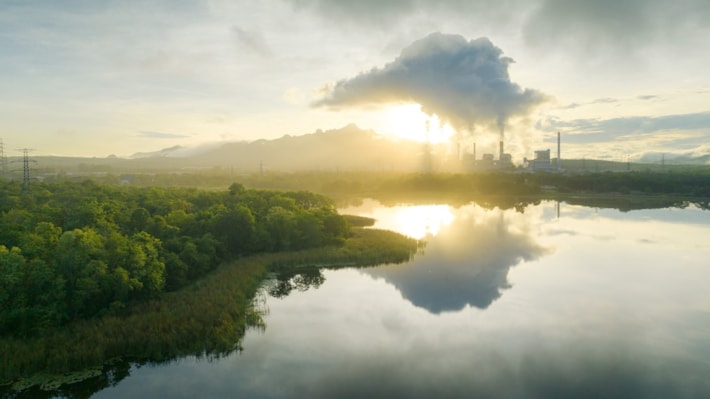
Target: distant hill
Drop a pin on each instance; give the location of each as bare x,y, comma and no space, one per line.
160,153
676,159
348,148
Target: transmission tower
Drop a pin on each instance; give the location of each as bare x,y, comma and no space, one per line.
3,160
26,189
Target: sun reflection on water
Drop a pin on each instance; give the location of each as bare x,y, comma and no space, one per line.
417,221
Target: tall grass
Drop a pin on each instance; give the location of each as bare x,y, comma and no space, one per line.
207,318
366,247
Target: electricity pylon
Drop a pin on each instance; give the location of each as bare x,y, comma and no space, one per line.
3,160
26,188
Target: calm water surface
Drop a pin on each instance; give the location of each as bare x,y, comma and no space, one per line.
558,301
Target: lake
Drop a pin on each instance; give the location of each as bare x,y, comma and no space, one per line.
555,301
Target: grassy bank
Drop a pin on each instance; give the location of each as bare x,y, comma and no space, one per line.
366,247
206,318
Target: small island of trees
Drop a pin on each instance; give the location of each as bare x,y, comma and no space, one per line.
73,251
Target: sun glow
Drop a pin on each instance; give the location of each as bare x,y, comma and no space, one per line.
410,122
417,221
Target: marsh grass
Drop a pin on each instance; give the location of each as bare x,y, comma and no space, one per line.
366,247
207,318
359,221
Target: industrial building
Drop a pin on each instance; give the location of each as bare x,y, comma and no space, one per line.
542,161
487,161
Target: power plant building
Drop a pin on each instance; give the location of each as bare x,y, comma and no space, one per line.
541,162
488,160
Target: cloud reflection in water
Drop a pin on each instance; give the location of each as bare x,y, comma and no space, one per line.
467,262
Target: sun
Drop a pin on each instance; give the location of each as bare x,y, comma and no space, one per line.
408,121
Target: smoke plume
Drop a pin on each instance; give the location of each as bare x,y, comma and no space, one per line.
464,82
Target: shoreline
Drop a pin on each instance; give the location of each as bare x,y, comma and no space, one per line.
206,318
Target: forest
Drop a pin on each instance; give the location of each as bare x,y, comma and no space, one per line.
72,251
687,182
93,276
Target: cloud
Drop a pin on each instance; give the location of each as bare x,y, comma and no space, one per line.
609,129
368,12
465,83
642,138
591,27
160,135
604,100
252,41
392,14
611,26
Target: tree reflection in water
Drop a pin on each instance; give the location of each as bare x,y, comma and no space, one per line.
299,280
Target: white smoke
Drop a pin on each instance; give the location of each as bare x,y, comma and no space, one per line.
464,82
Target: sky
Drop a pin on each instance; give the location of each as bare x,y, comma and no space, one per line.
620,79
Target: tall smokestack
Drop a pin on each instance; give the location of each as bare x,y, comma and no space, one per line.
500,156
474,151
559,159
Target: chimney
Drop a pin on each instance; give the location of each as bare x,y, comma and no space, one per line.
500,156
474,151
559,160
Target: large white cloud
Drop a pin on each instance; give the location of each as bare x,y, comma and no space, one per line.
464,82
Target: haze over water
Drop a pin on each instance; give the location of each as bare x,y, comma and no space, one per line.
593,303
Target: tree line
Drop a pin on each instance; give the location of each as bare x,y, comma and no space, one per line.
689,184
75,250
